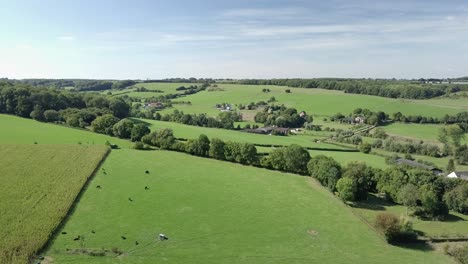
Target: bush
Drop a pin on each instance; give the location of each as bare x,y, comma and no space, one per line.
139,145
395,229
365,147
460,253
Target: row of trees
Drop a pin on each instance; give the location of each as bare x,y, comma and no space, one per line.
224,120
378,87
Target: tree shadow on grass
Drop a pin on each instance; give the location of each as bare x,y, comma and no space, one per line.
372,203
140,121
418,245
453,218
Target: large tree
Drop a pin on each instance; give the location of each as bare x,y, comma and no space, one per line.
104,124
325,169
123,128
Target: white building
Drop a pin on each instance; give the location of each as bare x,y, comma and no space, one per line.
458,175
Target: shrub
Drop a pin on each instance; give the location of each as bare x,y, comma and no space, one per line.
139,145
365,147
395,229
460,253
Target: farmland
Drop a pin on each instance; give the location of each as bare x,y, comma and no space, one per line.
39,184
317,102
243,214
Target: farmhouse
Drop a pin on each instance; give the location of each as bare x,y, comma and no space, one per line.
154,105
417,165
459,175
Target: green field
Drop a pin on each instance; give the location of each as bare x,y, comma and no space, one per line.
242,215
39,184
318,102
17,130
426,132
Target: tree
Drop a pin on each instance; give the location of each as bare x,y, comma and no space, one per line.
325,169
37,113
276,159
346,188
249,154
432,205
450,165
123,128
204,145
365,147
457,198
217,149
51,116
454,132
362,176
119,107
138,131
165,138
104,124
409,196
296,159
199,147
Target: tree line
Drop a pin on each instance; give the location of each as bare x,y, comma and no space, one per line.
51,105
378,87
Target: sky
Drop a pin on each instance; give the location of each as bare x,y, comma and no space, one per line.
155,39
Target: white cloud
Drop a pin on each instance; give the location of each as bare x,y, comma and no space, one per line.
66,38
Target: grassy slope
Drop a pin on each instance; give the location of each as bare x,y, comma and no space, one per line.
16,130
242,215
317,101
39,184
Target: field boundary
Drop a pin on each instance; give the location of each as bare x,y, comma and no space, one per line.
73,205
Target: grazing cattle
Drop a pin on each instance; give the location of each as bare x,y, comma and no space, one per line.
163,237
136,243
123,237
99,186
147,172
92,231
146,188
77,238
105,173
130,199
64,233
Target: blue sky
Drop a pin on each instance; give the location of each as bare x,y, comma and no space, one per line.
233,39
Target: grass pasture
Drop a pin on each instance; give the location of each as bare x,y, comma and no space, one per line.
426,132
17,130
39,184
241,215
